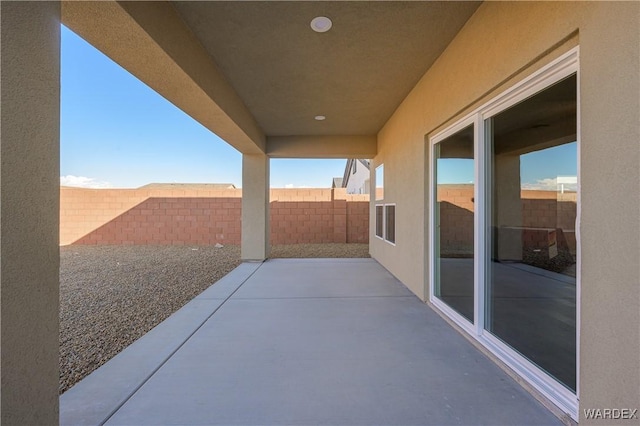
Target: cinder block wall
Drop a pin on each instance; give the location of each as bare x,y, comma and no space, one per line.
149,216
540,209
318,216
207,216
357,218
304,216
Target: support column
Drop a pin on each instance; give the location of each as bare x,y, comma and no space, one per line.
255,207
29,212
508,206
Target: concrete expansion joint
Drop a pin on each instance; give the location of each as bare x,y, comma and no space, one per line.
145,380
326,297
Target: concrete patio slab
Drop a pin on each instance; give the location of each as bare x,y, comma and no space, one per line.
289,278
96,397
323,342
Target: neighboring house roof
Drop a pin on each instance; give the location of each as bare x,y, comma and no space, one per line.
337,182
189,186
349,166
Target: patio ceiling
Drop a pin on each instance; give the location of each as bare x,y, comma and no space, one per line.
256,74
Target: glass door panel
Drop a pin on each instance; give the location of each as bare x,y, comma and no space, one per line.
454,222
531,273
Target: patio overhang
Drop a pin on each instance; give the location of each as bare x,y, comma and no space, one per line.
322,146
150,41
255,73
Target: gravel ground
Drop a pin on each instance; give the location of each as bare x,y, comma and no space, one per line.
320,250
112,295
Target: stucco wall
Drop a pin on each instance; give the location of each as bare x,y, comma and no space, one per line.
358,178
29,177
502,43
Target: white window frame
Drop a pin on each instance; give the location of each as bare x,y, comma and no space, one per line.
563,67
386,237
380,237
384,222
377,183
456,317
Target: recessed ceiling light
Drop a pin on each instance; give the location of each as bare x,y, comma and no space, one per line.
320,117
321,24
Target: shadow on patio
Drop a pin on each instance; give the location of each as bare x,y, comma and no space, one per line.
304,341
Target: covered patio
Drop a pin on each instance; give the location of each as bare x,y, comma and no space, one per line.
304,341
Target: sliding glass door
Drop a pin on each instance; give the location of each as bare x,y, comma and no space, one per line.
503,212
454,174
531,271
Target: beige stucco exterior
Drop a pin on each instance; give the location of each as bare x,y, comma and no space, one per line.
321,146
501,44
29,200
255,207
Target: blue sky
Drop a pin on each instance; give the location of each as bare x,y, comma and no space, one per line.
117,132
538,169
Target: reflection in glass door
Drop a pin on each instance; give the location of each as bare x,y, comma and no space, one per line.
531,273
503,226
454,217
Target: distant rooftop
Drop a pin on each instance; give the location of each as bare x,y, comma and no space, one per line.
189,186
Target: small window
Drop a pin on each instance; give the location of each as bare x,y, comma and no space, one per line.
390,223
380,182
379,221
